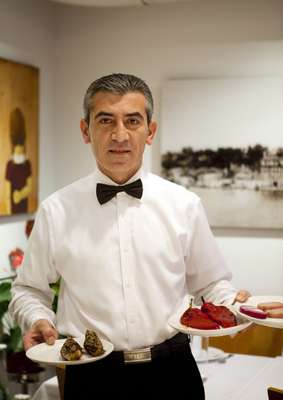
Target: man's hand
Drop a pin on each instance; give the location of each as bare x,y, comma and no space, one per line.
41,331
241,296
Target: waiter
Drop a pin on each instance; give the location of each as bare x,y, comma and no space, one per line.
129,246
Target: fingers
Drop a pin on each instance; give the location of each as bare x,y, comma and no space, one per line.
242,296
48,332
28,341
41,331
50,336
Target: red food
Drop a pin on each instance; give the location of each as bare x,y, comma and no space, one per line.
195,318
253,312
219,314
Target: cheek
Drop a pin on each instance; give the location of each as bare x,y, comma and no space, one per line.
95,148
141,143
99,146
139,150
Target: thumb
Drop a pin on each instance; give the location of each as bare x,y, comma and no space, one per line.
48,332
50,336
242,296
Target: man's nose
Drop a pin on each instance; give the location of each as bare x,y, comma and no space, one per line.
120,132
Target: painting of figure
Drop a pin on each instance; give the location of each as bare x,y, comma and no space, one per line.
18,138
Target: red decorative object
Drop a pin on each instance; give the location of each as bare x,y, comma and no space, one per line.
16,257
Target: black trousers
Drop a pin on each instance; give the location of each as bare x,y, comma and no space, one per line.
172,372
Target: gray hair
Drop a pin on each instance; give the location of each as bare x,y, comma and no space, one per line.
118,84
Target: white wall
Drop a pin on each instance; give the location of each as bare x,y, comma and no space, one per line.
27,36
219,38
202,38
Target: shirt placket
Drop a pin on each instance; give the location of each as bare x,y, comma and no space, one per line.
125,238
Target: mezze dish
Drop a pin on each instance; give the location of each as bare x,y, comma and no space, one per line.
263,310
208,320
71,351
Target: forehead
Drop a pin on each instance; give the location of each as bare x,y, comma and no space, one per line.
116,104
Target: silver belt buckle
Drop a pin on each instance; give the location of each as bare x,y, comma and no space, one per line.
137,356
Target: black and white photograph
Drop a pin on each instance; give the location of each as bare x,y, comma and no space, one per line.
219,144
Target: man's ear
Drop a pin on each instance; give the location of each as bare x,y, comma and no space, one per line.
84,130
151,132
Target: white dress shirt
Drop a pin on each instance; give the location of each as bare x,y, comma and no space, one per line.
126,266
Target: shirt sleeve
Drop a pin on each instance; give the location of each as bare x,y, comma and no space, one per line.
205,266
31,294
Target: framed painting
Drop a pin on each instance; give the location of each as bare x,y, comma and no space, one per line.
19,87
222,139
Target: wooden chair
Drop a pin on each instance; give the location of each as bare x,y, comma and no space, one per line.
275,393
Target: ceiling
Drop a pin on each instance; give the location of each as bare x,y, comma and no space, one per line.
118,3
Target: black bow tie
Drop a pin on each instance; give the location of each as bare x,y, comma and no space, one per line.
107,192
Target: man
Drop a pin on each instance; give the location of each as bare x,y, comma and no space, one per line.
126,260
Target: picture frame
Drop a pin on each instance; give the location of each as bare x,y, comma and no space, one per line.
222,139
19,137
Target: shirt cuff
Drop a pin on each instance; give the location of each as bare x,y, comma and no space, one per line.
220,292
37,315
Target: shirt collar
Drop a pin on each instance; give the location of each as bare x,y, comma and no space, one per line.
102,178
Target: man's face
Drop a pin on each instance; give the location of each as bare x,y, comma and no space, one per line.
118,131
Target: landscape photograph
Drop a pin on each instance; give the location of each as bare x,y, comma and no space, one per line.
222,139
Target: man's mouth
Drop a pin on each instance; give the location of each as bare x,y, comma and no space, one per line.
119,151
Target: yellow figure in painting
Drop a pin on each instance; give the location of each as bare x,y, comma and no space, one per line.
18,175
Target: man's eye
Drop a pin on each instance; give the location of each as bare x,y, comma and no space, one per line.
133,121
105,121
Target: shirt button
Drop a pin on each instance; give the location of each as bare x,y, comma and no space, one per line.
125,250
128,285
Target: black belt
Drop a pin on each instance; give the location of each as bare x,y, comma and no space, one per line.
147,354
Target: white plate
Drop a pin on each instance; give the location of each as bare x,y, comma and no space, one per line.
174,321
253,301
50,354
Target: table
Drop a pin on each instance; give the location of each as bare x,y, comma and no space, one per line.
240,377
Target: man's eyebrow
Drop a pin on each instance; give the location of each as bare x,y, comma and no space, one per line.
103,114
134,114
107,114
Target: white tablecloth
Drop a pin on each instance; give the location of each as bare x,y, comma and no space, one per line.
240,377
48,390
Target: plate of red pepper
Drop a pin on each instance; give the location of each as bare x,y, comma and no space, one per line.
209,320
